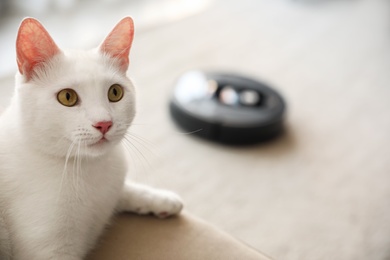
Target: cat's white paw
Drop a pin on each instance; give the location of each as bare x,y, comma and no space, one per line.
161,203
143,199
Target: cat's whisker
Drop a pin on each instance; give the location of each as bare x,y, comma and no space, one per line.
80,173
75,174
74,169
131,152
138,150
83,146
140,137
141,158
175,132
78,168
131,155
143,142
64,172
187,133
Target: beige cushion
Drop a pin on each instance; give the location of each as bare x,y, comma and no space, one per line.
176,238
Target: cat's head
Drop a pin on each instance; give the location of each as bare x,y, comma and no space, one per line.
77,102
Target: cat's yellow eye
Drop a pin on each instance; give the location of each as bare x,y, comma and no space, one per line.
115,93
67,97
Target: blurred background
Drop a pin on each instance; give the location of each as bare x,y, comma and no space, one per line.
322,190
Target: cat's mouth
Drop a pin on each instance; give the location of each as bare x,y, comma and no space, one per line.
101,141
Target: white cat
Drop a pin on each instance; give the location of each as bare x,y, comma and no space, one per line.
62,166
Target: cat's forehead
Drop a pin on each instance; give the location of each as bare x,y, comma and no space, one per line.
81,61
85,66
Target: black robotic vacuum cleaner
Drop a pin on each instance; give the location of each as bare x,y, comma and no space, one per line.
227,108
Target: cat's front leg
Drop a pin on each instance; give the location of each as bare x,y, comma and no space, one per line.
142,199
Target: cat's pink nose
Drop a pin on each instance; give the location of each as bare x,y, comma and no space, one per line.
103,127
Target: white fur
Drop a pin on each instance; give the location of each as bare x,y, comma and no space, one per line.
58,190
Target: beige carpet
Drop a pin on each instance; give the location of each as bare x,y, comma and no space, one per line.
322,191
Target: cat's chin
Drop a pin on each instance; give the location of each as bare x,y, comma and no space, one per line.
99,143
71,148
98,148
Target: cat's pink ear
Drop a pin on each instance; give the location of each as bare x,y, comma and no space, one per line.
118,43
33,46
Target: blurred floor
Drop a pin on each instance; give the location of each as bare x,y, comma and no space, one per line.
322,190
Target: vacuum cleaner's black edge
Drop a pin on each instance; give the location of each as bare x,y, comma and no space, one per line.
226,134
